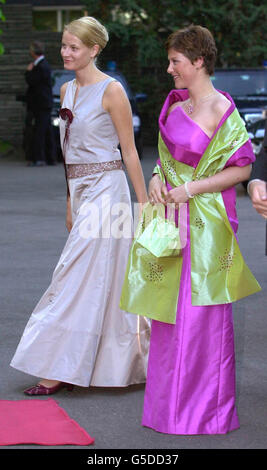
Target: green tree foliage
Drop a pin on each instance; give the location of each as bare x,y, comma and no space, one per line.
139,28
238,25
2,18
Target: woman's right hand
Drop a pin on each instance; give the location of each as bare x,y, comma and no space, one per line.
68,216
157,190
258,193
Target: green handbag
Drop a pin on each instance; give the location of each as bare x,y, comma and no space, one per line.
154,265
161,238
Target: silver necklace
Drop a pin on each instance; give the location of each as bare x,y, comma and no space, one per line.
190,107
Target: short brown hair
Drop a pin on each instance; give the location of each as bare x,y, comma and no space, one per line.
195,41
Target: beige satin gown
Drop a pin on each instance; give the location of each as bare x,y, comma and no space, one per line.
77,333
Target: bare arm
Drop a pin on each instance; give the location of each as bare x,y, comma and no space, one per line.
62,92
68,210
225,179
117,104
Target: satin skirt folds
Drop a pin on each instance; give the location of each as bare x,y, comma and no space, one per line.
77,333
190,386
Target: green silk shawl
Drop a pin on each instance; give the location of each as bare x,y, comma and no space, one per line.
219,273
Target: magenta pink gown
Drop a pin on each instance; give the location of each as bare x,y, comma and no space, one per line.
190,385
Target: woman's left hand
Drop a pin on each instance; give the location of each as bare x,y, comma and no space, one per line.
177,195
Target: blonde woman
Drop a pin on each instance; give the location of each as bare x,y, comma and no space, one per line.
77,334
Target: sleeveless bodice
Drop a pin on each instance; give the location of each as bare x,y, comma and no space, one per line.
92,137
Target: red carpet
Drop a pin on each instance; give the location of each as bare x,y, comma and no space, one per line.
41,422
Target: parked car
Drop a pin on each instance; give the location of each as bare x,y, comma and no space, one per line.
61,76
248,88
256,133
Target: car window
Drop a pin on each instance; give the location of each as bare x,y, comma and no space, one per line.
241,83
59,77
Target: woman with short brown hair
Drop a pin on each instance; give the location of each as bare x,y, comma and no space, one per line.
204,151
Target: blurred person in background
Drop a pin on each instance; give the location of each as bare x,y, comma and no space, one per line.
39,99
257,186
258,179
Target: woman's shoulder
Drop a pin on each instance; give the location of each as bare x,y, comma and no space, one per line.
174,105
221,101
114,96
217,109
175,97
219,105
113,87
114,92
63,90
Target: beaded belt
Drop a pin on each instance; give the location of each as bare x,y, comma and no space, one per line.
76,170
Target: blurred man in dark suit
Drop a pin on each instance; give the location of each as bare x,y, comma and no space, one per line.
257,186
258,179
39,104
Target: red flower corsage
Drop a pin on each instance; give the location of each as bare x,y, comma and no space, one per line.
66,115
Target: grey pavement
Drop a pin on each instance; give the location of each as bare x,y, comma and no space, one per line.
32,236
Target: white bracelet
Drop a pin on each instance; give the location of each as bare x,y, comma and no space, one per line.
189,195
251,181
